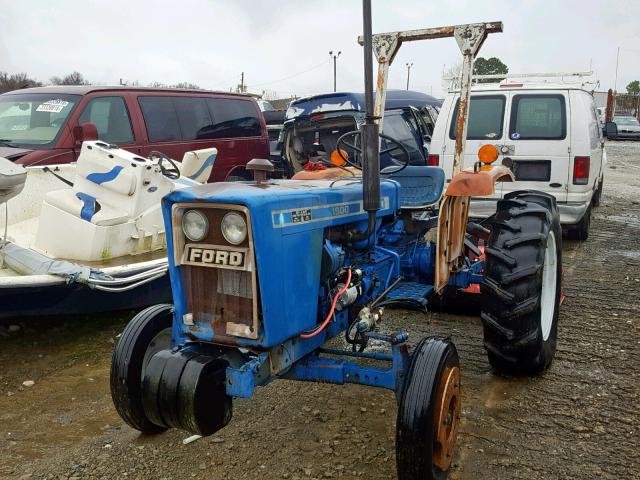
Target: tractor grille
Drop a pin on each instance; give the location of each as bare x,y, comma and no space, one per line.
219,294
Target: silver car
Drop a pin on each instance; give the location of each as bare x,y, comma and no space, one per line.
628,127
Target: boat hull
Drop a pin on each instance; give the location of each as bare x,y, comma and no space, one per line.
49,299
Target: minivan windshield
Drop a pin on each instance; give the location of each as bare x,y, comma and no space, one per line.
34,119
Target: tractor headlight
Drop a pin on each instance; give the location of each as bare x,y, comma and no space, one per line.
195,225
234,228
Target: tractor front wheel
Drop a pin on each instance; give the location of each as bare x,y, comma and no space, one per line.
146,334
428,412
522,284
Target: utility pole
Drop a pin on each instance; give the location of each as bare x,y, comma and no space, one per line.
615,83
334,66
242,82
409,65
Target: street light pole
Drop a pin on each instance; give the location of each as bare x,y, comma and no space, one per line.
334,66
409,65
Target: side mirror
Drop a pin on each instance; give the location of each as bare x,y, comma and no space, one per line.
611,129
84,132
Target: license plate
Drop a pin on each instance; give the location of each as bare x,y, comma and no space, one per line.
215,256
532,170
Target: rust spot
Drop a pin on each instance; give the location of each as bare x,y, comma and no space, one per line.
478,184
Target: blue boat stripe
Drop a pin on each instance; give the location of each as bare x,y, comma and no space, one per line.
208,162
100,178
89,206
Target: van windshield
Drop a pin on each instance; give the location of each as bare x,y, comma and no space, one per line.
34,119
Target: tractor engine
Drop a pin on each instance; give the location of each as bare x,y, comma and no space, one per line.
257,265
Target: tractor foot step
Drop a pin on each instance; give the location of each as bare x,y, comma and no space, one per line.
409,294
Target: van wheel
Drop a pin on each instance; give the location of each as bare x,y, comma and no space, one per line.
597,196
580,231
522,284
145,335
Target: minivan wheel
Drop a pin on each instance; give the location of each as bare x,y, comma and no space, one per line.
580,231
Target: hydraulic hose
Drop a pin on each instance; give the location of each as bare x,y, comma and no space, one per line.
331,311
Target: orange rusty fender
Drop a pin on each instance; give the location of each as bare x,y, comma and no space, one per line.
478,184
452,225
327,174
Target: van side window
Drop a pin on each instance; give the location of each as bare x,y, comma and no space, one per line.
160,118
486,117
233,118
111,118
538,117
193,116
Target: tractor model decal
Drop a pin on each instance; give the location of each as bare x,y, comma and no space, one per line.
298,216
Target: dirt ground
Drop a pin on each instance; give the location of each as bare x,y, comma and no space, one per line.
579,420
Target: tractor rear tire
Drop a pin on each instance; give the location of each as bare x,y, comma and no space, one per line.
428,412
522,284
146,334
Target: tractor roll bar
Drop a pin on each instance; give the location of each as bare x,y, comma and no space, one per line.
469,37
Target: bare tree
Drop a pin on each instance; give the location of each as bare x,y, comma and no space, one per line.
74,78
449,73
186,85
16,81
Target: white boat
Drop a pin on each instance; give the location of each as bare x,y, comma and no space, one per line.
89,236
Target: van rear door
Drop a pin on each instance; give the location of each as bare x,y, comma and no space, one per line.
538,142
486,125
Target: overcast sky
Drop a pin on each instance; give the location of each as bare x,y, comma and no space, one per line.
283,45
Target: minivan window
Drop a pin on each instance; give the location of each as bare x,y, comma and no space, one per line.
396,126
486,117
34,119
233,118
160,118
111,118
194,117
538,117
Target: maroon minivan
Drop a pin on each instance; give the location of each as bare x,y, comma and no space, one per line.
37,124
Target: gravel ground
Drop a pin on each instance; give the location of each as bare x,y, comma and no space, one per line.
579,420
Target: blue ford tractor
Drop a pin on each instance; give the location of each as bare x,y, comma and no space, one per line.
264,273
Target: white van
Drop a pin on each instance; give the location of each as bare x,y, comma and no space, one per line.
547,133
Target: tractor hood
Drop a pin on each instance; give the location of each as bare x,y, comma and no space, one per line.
288,219
269,202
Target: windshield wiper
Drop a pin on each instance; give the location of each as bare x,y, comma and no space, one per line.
8,143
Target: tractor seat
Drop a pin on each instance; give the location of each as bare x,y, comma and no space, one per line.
420,186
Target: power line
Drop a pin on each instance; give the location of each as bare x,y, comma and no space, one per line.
293,75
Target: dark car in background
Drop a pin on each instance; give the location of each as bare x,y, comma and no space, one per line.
37,124
313,125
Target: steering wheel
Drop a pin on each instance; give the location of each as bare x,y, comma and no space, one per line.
172,172
396,146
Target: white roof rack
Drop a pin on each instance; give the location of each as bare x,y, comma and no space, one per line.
562,78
